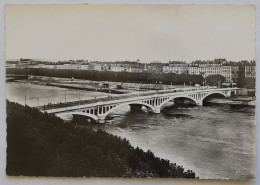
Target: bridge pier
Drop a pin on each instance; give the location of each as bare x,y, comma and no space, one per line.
228,93
157,110
199,102
135,107
101,119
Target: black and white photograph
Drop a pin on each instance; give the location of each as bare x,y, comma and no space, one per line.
131,91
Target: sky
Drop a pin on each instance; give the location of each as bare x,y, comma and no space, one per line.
130,32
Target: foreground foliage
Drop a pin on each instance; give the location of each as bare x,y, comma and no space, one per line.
41,144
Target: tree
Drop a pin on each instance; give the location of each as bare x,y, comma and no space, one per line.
248,82
145,77
41,144
214,79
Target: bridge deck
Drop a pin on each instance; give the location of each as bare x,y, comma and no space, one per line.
113,99
109,97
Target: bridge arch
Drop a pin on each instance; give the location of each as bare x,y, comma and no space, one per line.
149,107
212,93
221,93
92,116
233,92
174,97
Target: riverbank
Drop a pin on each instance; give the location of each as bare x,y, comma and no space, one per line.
74,84
100,86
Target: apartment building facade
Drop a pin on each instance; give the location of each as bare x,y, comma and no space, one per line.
230,72
250,71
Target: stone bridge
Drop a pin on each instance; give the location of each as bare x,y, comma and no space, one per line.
98,111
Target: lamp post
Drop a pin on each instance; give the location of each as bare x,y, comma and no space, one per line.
79,98
65,97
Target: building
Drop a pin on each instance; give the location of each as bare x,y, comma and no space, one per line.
213,70
10,65
215,62
155,67
166,68
230,72
178,68
196,70
60,66
66,66
250,71
84,67
116,67
241,72
105,67
49,66
205,68
95,67
75,66
126,68
38,66
137,68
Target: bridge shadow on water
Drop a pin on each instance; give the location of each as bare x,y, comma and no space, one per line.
231,108
83,120
136,119
125,116
178,110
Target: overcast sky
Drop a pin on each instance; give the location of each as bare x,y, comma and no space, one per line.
130,32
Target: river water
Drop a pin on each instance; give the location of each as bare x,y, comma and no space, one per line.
37,95
215,140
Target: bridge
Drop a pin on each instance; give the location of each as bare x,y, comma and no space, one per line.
154,102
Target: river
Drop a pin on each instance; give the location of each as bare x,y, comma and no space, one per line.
37,95
215,140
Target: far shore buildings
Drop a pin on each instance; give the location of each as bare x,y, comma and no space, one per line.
232,71
176,67
205,68
250,71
